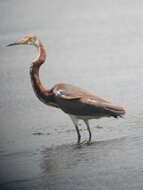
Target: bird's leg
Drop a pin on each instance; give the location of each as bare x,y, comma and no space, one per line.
75,122
88,128
78,134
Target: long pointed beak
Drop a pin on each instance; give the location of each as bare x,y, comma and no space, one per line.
20,42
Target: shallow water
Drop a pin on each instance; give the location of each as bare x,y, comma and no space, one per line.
96,45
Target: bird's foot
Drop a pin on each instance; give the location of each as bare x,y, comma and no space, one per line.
89,143
86,142
83,142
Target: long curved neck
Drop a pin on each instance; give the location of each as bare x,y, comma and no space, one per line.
38,88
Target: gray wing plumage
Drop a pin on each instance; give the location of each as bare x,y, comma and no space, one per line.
76,101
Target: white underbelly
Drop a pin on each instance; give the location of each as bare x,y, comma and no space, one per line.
85,117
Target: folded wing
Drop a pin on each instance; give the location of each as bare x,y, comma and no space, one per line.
76,101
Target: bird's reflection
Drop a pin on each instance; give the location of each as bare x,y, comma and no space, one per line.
61,158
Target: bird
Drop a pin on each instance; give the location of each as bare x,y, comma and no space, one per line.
78,103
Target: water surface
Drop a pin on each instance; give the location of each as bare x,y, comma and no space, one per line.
96,45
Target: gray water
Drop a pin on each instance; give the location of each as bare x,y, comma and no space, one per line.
96,45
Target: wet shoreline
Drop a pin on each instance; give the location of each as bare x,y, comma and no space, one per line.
105,164
96,45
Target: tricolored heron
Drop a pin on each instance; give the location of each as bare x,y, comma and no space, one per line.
79,104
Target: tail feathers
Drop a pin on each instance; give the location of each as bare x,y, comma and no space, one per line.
115,111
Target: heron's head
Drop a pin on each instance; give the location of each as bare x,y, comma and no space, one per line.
27,40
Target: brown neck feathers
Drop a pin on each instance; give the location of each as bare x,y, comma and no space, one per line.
38,88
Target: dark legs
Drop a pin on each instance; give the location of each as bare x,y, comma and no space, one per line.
88,128
75,122
78,134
